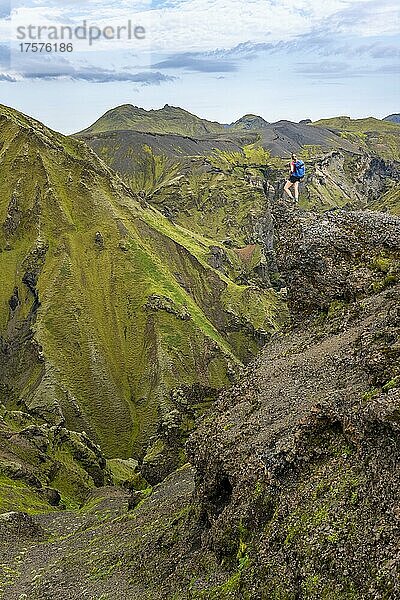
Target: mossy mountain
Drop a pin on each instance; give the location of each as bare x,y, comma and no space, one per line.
128,301
280,138
169,119
106,307
292,486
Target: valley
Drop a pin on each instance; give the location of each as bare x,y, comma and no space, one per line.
199,379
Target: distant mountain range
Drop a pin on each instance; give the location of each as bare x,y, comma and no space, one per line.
169,119
131,126
176,120
395,118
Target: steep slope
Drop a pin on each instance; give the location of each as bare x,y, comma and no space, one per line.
301,496
169,119
220,194
293,487
44,468
337,179
284,137
112,319
118,147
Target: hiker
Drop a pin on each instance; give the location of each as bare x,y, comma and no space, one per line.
297,171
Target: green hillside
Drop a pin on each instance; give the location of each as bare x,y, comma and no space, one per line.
378,136
169,119
220,194
358,125
111,317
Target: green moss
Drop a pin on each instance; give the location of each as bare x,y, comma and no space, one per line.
99,573
390,200
151,173
391,384
382,284
231,588
262,309
311,151
253,156
8,575
310,585
16,495
57,458
374,135
336,307
107,356
169,119
382,264
359,126
371,393
125,472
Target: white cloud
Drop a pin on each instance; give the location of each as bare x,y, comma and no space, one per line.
199,25
182,26
369,18
207,24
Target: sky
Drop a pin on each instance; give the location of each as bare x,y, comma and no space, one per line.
219,59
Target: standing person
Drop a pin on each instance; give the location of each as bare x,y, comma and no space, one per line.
297,171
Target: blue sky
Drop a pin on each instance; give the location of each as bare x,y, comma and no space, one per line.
217,58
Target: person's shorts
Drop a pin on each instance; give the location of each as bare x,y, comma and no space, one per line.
294,179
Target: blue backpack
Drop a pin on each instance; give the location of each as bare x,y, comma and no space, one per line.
299,169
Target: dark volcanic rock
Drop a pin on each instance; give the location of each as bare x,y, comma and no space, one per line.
336,256
296,467
51,495
19,525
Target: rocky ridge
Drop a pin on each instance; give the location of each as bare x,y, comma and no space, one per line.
292,487
292,482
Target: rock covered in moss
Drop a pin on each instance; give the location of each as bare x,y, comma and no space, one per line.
333,257
296,466
19,525
44,466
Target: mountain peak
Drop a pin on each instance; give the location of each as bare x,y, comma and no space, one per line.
249,121
394,118
166,120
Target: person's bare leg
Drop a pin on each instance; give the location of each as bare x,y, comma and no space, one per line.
296,191
286,189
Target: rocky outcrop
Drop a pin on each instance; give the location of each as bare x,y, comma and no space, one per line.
19,526
296,466
340,178
43,466
337,257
